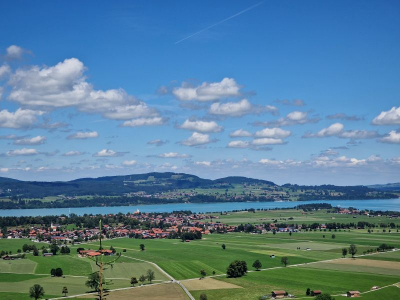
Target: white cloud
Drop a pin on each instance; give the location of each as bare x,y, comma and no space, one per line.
37,140
197,139
293,118
390,117
203,163
108,153
15,52
238,144
73,153
392,138
21,118
267,141
129,162
22,152
240,133
201,126
208,91
4,70
337,130
174,155
64,85
144,122
83,135
276,133
266,161
157,142
4,170
232,109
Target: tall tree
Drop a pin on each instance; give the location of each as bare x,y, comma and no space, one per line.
93,281
133,281
142,247
36,291
65,291
285,261
344,252
150,275
353,250
257,265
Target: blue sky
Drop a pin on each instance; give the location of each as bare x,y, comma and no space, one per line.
303,92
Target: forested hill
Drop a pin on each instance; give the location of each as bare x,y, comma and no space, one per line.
151,188
118,185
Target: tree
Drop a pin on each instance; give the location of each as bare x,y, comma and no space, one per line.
35,251
36,291
133,281
324,297
257,265
352,250
142,247
150,275
344,252
65,291
223,246
333,236
59,272
285,261
94,281
54,249
308,292
203,297
203,273
236,269
53,272
142,278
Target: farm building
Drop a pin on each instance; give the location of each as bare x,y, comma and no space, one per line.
278,294
353,294
316,292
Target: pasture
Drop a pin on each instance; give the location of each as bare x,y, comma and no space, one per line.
321,267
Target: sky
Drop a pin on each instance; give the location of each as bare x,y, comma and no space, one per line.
303,92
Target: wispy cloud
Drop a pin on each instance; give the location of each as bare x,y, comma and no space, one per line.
220,22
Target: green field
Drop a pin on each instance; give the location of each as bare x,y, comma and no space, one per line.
320,267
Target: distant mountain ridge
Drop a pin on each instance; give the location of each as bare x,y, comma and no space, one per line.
118,185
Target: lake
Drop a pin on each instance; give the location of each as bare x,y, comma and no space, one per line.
380,204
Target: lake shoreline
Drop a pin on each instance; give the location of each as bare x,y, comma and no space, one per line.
371,204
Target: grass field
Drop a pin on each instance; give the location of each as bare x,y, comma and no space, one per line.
321,267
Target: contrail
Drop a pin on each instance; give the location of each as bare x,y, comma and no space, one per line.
220,22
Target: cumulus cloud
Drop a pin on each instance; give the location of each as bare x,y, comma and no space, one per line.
4,70
241,108
294,102
390,117
227,87
65,85
344,117
15,52
267,141
157,142
83,135
174,155
203,163
240,133
129,162
337,130
145,122
20,119
22,152
238,144
109,153
201,126
293,118
197,139
392,138
276,133
37,140
74,153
